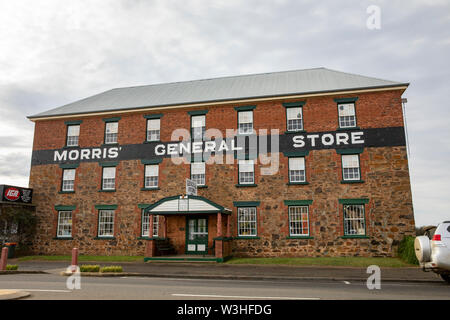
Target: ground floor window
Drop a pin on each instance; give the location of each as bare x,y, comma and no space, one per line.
64,228
247,221
146,224
298,221
354,220
106,223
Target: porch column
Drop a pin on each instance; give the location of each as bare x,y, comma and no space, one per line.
164,227
150,250
219,224
229,226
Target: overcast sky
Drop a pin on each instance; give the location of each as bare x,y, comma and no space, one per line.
56,52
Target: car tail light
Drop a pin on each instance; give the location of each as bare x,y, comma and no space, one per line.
437,237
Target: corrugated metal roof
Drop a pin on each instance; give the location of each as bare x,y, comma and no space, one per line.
221,89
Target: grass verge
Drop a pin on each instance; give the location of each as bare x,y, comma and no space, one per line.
84,258
324,261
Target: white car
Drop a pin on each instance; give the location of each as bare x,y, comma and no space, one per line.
434,254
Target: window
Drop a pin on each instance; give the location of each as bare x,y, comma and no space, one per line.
297,170
245,122
73,133
68,180
247,221
354,220
294,119
153,129
64,228
246,172
198,127
198,172
151,176
146,224
111,129
298,221
350,167
106,223
109,178
347,117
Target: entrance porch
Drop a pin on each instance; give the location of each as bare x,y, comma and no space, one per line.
192,228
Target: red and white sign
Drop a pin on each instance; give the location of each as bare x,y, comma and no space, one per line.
12,194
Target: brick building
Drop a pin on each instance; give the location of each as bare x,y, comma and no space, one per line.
297,163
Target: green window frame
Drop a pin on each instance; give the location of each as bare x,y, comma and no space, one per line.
349,172
64,225
354,217
247,227
300,210
145,224
105,223
111,137
299,174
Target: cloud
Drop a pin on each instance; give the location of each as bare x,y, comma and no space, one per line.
53,53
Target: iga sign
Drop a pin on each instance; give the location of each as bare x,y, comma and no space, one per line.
15,194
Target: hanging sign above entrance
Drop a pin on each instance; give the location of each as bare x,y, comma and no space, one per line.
191,187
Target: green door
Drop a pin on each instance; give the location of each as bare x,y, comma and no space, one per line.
196,235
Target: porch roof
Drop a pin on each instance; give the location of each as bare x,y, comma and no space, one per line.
181,204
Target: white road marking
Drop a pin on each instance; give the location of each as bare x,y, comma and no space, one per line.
237,297
346,282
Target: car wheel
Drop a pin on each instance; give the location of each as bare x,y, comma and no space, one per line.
446,277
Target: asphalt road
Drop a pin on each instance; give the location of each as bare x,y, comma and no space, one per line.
53,287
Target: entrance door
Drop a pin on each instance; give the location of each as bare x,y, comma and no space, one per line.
196,235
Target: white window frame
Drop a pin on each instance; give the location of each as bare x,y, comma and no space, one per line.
296,214
354,219
101,231
346,117
63,224
108,182
153,129
198,173
243,164
290,117
146,224
72,139
111,137
349,168
198,121
251,217
293,170
249,129
68,185
147,170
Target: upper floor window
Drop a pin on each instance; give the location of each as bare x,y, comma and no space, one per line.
109,178
153,129
347,116
245,122
297,172
294,117
198,172
350,167
246,172
111,130
68,180
198,127
64,228
73,133
151,176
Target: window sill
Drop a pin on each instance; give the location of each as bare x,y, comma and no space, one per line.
246,134
71,147
104,238
352,181
349,128
152,141
150,189
112,190
247,238
299,237
246,185
115,144
295,132
355,237
202,187
297,183
223,238
64,192
62,238
148,238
